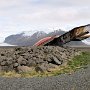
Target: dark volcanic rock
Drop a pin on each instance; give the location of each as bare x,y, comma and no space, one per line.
15,65
41,68
56,61
41,58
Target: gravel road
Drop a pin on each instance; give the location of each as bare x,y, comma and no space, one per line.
80,80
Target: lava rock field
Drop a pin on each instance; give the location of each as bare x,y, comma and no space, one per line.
23,59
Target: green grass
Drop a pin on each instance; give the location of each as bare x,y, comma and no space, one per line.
80,61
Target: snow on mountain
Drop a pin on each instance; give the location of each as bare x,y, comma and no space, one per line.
28,33
31,32
39,34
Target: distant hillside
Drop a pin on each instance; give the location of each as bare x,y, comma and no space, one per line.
24,40
76,43
29,39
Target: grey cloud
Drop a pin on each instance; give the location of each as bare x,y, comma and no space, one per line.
64,3
25,14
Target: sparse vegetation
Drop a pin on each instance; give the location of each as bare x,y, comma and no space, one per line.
80,61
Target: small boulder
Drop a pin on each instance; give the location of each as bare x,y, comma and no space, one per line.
20,59
15,65
5,68
41,68
56,61
22,69
4,63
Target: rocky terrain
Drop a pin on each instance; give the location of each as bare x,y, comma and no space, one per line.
24,59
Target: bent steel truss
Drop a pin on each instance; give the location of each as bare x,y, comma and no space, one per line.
76,34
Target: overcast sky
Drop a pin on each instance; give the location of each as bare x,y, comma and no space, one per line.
25,15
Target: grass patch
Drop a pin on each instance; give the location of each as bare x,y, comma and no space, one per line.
80,61
76,63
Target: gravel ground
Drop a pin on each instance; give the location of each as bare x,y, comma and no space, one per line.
79,80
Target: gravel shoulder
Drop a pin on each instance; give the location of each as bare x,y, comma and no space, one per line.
80,80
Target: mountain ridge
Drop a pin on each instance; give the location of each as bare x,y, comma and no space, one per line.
22,39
